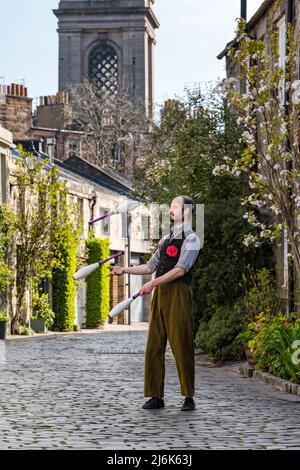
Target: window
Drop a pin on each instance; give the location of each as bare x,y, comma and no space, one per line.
3,180
74,148
105,224
117,152
50,148
80,207
103,68
146,227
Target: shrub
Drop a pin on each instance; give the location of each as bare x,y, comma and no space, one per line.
42,310
274,346
64,287
3,316
97,284
217,336
5,272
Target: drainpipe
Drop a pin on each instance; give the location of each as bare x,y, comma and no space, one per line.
244,9
289,262
290,11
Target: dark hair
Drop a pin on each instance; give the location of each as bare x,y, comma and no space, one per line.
187,200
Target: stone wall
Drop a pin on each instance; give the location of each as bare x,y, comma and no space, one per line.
16,110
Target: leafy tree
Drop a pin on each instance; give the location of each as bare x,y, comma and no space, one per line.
40,222
195,135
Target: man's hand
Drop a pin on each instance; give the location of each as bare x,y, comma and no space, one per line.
116,271
148,287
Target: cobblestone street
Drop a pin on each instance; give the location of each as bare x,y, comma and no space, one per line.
85,391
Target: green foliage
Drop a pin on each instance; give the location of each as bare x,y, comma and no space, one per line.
64,286
224,259
97,284
37,188
217,335
268,110
274,347
196,134
269,335
3,316
5,233
25,331
261,302
41,309
184,151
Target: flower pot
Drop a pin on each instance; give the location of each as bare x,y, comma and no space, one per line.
249,356
3,329
38,326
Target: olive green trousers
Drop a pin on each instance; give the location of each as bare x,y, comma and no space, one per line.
170,319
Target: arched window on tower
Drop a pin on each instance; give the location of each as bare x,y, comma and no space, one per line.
103,68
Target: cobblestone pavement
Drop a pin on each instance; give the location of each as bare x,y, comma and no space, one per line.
86,391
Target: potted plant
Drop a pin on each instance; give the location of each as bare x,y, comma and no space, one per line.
3,325
43,317
246,338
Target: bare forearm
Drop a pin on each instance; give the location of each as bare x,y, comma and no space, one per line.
139,270
175,273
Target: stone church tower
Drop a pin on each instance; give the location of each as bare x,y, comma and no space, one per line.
109,41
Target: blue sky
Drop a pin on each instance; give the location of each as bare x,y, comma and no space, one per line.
192,33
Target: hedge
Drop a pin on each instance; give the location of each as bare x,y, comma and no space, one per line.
97,284
64,287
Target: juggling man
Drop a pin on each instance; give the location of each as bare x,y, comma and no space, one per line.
171,308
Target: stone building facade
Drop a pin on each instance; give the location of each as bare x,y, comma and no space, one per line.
96,190
110,42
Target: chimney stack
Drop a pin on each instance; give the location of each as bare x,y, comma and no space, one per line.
244,9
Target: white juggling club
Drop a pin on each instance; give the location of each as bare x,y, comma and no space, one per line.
87,270
122,306
127,206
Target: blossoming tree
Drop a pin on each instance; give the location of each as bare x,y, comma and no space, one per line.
266,93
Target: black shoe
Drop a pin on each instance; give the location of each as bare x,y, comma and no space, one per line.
153,404
188,404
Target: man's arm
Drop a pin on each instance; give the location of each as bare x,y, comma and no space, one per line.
147,268
164,279
119,271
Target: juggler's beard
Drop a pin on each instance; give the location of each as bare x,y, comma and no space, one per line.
173,221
